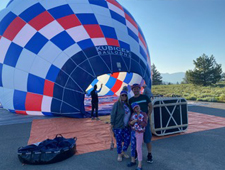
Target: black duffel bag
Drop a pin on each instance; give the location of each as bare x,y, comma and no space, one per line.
48,151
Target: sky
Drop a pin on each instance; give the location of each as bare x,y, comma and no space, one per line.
179,31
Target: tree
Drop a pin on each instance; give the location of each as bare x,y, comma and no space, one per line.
206,71
223,77
156,76
186,79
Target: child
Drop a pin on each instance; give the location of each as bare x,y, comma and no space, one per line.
138,121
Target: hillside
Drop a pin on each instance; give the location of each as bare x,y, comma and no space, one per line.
173,77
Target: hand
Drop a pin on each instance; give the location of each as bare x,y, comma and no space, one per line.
134,121
101,85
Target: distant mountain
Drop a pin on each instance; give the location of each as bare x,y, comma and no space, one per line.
173,77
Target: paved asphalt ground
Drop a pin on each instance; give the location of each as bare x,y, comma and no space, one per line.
196,151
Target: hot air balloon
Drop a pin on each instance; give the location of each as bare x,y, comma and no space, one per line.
53,51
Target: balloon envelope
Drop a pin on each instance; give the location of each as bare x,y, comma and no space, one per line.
53,51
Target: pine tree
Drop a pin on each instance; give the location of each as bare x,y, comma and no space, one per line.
156,76
206,71
186,79
223,77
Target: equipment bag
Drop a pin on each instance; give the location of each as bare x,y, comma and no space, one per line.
48,151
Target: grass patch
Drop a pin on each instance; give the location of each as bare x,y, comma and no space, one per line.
215,93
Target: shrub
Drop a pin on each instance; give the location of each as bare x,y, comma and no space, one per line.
222,98
191,98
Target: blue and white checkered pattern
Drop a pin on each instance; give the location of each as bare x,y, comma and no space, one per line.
49,54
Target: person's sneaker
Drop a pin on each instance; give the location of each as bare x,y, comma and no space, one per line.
149,158
119,159
131,164
125,155
138,168
92,118
97,118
